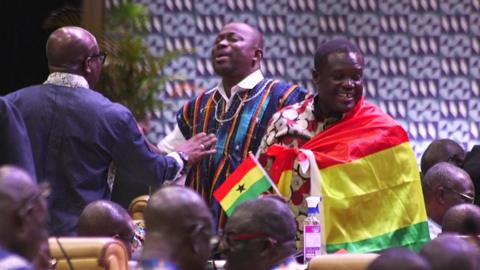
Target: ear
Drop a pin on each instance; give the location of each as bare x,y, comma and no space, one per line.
87,69
440,195
258,56
266,245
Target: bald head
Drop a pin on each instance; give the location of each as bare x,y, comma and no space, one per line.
69,49
102,218
462,219
442,150
399,259
178,228
273,227
446,185
16,186
106,219
23,213
172,206
448,252
266,215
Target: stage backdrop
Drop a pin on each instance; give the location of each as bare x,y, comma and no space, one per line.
422,56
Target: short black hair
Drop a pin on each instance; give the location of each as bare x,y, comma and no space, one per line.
335,45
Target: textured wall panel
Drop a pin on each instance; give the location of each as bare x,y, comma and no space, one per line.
422,56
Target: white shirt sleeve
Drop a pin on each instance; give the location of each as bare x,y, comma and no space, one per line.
172,140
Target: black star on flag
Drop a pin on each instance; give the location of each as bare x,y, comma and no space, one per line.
241,188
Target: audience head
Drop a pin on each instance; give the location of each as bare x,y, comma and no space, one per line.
447,252
237,52
446,185
259,234
178,228
462,219
442,150
108,219
23,213
399,259
74,50
338,77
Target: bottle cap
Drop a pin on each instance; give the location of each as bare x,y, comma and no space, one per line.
312,201
312,204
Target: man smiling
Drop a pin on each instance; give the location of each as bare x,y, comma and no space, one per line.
337,145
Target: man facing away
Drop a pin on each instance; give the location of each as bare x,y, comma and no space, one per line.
76,133
178,228
23,214
463,219
237,110
260,235
442,150
104,218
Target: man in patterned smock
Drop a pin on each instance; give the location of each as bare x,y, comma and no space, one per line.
237,110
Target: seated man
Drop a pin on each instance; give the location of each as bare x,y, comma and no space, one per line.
178,227
444,186
260,235
462,219
442,150
448,252
399,259
23,214
106,218
341,147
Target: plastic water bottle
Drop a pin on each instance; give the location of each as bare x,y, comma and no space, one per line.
312,230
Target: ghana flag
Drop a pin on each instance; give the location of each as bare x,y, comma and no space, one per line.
366,171
247,182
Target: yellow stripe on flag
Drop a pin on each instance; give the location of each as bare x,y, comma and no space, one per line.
248,180
371,196
284,183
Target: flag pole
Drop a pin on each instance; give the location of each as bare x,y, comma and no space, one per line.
265,173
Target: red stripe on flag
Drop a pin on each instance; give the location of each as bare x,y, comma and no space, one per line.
362,132
234,178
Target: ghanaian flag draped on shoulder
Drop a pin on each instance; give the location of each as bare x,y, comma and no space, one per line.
366,171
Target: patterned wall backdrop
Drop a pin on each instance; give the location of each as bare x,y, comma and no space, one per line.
422,56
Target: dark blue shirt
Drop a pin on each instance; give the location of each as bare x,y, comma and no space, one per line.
14,143
75,134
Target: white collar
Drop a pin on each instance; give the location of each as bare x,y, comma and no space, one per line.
67,80
247,83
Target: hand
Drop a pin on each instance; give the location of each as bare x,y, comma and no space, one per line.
198,147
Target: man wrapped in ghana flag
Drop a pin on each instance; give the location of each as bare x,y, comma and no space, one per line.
338,145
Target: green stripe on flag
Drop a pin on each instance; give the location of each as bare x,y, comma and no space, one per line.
412,237
252,193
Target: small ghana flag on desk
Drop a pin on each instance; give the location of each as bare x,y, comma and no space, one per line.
247,182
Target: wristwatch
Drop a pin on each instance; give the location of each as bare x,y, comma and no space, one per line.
184,157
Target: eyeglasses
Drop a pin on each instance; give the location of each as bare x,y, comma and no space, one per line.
465,197
101,55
